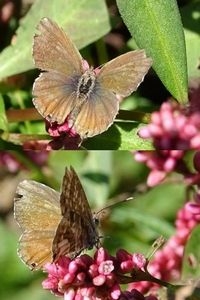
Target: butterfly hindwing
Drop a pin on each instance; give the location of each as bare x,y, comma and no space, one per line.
37,211
97,114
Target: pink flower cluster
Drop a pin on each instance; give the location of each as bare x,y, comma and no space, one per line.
161,163
63,136
167,262
12,163
173,128
94,278
8,160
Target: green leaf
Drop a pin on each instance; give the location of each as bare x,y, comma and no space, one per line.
159,205
157,225
191,16
192,251
9,260
96,172
3,118
121,136
84,20
156,26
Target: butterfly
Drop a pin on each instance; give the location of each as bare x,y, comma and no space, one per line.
69,89
53,224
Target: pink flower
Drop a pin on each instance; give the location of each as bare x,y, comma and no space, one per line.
161,163
96,278
130,261
9,161
173,128
12,162
63,136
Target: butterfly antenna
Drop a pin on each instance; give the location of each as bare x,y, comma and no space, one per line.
114,204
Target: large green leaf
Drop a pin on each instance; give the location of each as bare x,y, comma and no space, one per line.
84,20
96,172
191,16
121,136
156,26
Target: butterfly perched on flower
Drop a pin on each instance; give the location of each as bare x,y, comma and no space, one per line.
70,91
53,224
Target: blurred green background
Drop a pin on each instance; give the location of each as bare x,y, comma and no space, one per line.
107,177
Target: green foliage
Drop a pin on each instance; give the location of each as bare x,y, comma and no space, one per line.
3,119
71,16
156,26
122,136
191,17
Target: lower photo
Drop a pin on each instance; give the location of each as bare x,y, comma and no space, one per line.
83,225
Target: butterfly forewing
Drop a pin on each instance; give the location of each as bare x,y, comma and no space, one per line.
77,230
54,51
73,197
37,211
123,74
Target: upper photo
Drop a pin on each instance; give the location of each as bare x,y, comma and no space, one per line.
99,75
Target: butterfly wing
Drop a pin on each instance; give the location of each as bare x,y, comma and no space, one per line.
37,211
54,96
97,113
123,74
54,52
74,234
73,197
76,230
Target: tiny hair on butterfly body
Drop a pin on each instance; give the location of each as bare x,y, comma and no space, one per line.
52,223
68,89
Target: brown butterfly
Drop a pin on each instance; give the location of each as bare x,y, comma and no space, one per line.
53,224
69,88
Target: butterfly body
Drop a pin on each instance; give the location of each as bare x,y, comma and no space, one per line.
53,224
86,84
68,89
